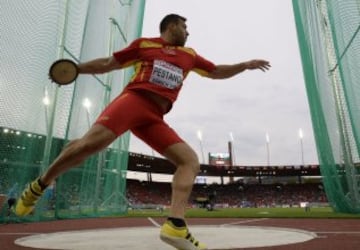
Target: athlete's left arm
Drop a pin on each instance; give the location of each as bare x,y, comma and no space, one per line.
230,70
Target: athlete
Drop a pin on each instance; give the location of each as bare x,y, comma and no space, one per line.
161,65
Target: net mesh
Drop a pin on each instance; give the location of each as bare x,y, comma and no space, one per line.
329,40
38,118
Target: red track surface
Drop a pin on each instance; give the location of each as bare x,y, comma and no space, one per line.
339,234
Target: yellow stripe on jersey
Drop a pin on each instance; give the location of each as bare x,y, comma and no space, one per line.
187,50
137,67
200,72
150,44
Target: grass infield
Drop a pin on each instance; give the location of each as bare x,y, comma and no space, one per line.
324,212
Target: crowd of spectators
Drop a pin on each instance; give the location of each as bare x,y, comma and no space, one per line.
230,195
140,193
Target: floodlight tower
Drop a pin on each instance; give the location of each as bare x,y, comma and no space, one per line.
267,137
301,136
87,104
200,137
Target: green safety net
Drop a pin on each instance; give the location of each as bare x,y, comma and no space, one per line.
329,41
38,118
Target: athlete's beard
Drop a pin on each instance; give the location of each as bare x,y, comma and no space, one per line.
179,39
180,43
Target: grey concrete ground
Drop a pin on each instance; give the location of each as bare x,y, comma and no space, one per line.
216,237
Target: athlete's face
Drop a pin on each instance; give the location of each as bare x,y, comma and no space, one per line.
179,33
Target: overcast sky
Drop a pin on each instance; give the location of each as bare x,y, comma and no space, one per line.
251,104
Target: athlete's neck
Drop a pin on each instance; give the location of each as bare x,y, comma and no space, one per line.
167,38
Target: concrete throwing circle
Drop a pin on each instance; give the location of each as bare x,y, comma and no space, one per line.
216,237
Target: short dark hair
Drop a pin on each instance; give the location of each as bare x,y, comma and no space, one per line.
169,19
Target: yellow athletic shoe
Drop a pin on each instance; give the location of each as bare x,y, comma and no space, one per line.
179,237
26,203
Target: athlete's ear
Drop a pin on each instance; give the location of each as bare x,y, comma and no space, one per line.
172,26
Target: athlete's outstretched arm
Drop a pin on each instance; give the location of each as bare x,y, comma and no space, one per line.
227,71
99,65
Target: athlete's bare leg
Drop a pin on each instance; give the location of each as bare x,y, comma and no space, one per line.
187,163
74,153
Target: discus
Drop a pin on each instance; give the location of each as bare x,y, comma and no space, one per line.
63,71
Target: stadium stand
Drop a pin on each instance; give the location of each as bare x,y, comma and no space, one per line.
257,193
229,195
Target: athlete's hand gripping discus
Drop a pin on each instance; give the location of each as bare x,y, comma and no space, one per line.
63,71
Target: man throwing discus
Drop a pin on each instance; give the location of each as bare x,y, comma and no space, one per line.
161,66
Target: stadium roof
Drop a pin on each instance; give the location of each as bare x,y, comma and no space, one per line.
151,164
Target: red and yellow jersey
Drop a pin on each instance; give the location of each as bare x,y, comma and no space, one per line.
160,67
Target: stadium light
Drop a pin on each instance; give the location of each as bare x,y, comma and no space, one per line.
46,102
200,137
301,136
87,104
46,99
267,137
231,136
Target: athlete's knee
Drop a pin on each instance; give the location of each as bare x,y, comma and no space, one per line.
192,162
183,156
196,167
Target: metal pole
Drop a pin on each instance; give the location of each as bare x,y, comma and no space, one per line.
88,118
301,136
47,149
302,152
46,102
267,149
199,135
106,100
233,157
